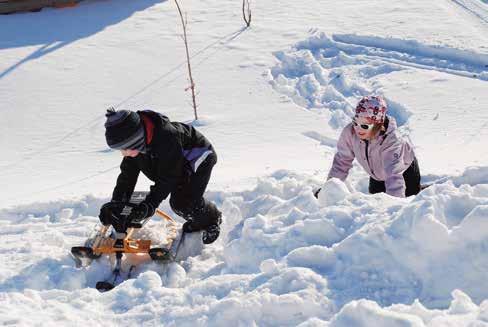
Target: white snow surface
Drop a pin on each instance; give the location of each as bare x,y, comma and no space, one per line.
272,99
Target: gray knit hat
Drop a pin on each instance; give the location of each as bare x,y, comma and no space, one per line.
124,130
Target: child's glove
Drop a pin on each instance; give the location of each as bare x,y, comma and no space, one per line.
106,213
142,211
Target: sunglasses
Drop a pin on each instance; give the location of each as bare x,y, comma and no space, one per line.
366,127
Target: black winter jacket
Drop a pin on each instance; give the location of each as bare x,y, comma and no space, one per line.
175,152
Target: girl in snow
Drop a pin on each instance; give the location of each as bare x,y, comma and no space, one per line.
175,156
373,140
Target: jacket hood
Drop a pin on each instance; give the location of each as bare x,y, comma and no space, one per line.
392,125
390,129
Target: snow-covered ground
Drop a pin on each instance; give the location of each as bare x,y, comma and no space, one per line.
273,99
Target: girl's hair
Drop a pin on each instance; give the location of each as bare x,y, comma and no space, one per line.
377,129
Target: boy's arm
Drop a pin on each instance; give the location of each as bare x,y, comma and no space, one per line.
126,182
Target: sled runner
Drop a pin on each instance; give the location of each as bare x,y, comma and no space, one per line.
118,240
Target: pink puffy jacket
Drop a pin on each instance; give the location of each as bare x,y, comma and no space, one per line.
384,158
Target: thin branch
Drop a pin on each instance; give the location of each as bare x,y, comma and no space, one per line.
247,18
185,39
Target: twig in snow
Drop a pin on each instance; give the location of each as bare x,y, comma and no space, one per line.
246,14
185,39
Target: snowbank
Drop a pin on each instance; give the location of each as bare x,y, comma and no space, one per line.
284,259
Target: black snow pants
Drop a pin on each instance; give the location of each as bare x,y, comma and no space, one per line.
411,177
187,199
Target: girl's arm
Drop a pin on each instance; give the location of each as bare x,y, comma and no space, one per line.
344,156
393,161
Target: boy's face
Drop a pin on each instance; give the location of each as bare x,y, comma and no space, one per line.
130,153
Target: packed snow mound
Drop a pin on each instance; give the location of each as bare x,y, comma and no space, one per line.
374,246
283,259
333,191
461,312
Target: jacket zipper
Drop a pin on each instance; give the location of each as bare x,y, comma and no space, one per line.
367,156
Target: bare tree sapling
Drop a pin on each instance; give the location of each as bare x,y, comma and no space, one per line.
185,39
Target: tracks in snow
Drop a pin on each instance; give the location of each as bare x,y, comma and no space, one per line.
475,7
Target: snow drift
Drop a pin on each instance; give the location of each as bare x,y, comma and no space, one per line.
285,259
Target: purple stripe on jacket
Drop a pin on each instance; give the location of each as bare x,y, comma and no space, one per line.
196,156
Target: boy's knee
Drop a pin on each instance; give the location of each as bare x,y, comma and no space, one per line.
181,208
201,212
